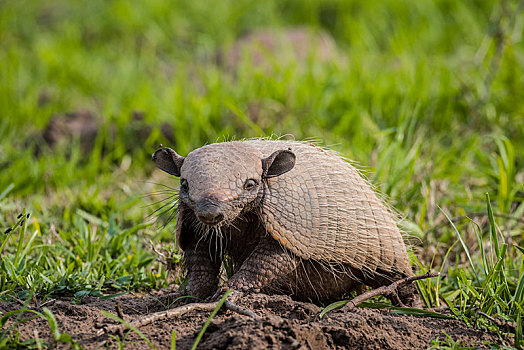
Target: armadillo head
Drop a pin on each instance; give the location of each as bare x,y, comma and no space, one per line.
218,182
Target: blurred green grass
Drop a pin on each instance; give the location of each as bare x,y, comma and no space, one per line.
426,95
409,92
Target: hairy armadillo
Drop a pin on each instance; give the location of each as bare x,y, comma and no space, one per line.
290,217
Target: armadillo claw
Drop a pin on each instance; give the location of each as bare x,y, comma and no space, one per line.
232,297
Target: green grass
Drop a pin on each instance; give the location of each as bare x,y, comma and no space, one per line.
426,95
447,343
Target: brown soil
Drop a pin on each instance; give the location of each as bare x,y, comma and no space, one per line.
285,324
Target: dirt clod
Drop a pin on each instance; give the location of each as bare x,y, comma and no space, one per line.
63,128
83,126
295,44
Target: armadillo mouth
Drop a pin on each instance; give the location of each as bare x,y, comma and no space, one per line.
212,221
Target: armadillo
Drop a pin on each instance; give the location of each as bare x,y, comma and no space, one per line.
288,217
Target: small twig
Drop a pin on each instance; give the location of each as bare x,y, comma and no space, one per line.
35,301
388,290
172,313
21,302
506,325
178,311
162,257
487,316
239,310
48,302
119,312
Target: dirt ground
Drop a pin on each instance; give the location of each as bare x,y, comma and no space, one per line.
284,324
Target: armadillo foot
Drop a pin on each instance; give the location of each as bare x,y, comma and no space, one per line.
229,303
232,297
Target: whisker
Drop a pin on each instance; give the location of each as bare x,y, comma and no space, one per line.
172,205
173,213
159,184
160,201
158,193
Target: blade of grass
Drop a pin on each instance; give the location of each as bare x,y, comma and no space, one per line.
492,227
21,235
333,306
6,191
130,326
466,250
208,321
53,325
438,281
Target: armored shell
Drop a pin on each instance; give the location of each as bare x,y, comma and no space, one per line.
321,209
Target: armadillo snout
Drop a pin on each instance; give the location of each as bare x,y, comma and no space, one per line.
209,213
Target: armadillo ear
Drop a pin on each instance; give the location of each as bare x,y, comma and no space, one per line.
168,160
278,163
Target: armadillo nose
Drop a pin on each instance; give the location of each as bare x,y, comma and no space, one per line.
210,218
210,214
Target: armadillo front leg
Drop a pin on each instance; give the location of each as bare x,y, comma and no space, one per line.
268,264
202,270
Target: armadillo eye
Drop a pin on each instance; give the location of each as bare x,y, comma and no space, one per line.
183,185
250,184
